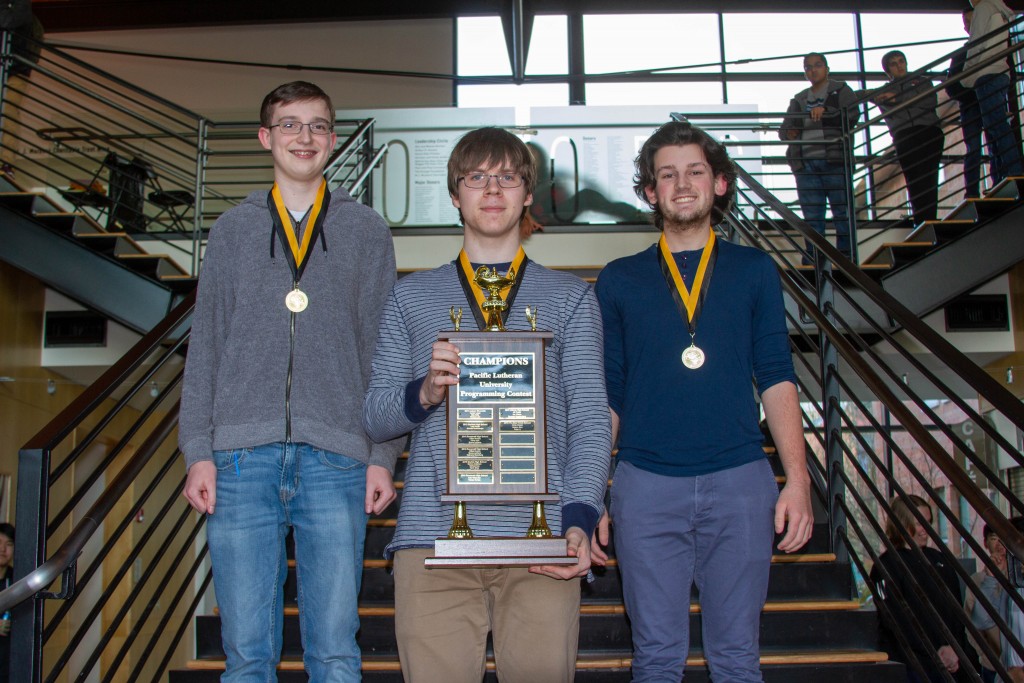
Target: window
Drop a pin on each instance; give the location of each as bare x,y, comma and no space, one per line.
630,42
882,31
675,95
756,36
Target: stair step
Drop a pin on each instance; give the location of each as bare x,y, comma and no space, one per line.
602,661
820,625
1008,188
875,271
115,244
981,209
618,608
27,203
151,265
82,223
896,254
940,232
180,284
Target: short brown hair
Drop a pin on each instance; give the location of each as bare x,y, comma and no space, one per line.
676,133
296,91
902,521
486,147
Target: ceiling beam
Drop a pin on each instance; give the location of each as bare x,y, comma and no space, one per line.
63,16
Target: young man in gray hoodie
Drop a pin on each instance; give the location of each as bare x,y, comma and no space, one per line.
283,333
815,116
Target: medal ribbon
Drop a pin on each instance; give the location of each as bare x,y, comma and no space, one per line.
689,302
285,227
474,293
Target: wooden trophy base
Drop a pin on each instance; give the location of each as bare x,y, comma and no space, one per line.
499,552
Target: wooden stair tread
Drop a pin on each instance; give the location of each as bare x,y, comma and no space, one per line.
145,255
600,609
602,661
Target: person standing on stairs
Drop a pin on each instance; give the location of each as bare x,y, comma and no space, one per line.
443,616
813,125
916,133
991,85
693,326
291,290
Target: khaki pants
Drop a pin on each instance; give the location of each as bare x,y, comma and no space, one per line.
442,617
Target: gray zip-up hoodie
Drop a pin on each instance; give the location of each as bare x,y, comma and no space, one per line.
238,360
839,97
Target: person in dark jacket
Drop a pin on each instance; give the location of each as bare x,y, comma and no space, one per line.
914,125
902,611
815,116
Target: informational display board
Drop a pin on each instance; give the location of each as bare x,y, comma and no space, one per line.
584,157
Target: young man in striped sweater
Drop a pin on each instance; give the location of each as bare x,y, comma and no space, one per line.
443,616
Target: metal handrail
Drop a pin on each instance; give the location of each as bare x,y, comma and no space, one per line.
66,555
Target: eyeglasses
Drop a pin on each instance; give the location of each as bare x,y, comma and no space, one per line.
478,181
295,127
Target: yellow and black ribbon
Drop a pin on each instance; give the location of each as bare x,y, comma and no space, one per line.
474,293
284,227
689,302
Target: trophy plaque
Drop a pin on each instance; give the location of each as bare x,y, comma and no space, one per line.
496,439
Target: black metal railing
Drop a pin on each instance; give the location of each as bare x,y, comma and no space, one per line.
135,162
854,346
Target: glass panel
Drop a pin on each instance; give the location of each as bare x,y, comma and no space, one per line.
883,31
756,36
613,43
522,97
549,46
767,96
481,47
482,50
675,95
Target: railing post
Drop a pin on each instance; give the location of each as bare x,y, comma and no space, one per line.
197,211
851,208
29,552
833,428
370,147
5,67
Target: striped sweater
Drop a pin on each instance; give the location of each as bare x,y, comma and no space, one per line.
578,424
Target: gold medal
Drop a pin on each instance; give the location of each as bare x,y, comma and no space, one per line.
693,357
296,300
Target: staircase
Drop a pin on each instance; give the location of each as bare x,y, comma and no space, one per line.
811,626
978,239
108,271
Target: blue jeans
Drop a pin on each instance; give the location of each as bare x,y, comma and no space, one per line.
991,91
820,180
261,492
714,530
970,124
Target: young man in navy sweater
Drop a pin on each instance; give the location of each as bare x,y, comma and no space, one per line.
692,323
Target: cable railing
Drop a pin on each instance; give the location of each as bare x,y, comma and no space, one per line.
938,137
134,162
876,436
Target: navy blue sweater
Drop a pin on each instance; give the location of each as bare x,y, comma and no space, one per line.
673,420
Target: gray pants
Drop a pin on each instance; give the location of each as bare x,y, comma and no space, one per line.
715,530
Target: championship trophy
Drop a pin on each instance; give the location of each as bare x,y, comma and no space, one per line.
496,437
